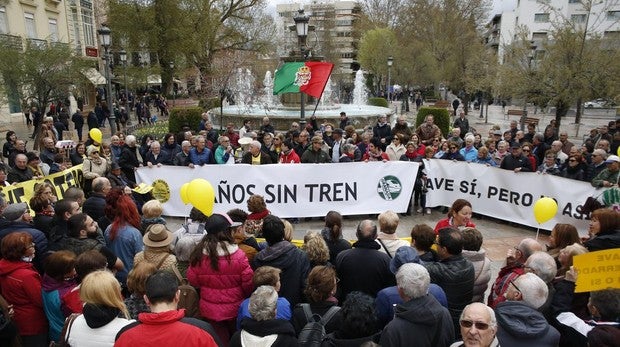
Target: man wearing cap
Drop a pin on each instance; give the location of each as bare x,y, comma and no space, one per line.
420,317
516,161
609,176
388,297
118,179
165,325
315,154
16,217
94,206
20,172
255,156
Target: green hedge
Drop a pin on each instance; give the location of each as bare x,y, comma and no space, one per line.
158,130
186,116
441,117
209,103
382,102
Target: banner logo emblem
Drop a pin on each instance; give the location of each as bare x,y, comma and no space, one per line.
389,188
161,191
302,76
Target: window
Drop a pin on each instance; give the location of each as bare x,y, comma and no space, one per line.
539,36
31,30
53,26
87,22
578,18
613,15
541,17
4,24
574,1
76,32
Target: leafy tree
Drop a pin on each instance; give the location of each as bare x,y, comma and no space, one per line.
375,47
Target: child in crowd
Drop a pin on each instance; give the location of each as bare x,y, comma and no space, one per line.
151,214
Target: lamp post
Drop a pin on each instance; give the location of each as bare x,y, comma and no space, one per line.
105,39
174,93
530,58
390,61
123,56
301,26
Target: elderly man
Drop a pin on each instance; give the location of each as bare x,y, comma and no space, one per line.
556,147
514,268
49,151
128,160
20,148
566,144
609,176
266,127
544,266
17,218
20,172
453,273
428,131
182,158
315,154
519,322
516,161
597,164
478,326
420,317
94,206
200,155
376,274
255,156
155,156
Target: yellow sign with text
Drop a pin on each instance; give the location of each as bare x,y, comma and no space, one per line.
61,181
597,270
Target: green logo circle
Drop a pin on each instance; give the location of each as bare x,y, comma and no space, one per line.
389,187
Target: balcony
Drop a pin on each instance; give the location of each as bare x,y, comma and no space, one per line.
12,41
37,43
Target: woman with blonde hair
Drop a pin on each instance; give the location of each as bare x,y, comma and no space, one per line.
104,313
316,249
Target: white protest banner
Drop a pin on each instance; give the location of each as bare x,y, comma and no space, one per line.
506,194
291,190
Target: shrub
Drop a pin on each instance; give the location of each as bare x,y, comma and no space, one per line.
184,116
158,130
382,102
441,117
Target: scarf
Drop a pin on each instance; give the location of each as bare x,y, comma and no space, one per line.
411,155
258,215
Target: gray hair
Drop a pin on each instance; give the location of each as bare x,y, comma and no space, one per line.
413,280
470,137
222,138
263,303
155,144
533,290
99,184
600,152
528,246
543,265
130,140
256,144
186,143
184,247
492,319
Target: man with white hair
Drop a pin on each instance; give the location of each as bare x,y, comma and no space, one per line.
255,156
478,326
420,317
597,164
182,158
556,147
128,160
519,322
469,152
543,265
263,329
156,156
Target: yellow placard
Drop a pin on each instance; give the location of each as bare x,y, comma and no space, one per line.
597,270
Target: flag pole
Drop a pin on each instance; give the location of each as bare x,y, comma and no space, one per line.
317,104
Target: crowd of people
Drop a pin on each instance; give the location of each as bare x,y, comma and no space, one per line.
99,265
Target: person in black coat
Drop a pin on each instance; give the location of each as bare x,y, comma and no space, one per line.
263,323
156,156
375,273
94,206
285,256
515,161
128,161
382,132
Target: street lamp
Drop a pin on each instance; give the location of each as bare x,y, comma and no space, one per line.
105,39
174,93
123,55
301,27
390,61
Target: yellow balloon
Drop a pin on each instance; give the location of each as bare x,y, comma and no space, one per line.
201,195
96,135
545,209
619,151
184,195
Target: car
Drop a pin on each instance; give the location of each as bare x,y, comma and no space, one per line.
598,103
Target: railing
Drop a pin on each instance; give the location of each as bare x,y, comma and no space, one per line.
12,41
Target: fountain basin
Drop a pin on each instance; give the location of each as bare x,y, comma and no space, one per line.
282,116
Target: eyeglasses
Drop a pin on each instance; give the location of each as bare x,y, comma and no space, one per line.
479,325
525,150
573,160
514,285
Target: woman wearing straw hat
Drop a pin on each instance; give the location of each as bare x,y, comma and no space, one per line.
157,240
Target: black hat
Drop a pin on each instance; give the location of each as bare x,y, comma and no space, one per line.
115,166
515,145
338,131
218,222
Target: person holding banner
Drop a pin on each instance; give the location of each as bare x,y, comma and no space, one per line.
459,216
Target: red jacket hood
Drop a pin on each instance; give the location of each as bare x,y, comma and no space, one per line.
7,267
161,318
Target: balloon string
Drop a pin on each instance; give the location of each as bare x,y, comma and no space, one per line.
537,231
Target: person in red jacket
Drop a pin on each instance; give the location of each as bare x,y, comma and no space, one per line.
459,216
165,325
21,287
222,273
287,154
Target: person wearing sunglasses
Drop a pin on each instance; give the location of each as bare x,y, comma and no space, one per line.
519,321
478,326
453,152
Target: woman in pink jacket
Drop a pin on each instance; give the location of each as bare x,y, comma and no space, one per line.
222,273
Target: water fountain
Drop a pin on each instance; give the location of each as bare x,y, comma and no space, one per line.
256,105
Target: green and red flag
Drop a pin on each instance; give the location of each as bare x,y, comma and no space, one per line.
306,77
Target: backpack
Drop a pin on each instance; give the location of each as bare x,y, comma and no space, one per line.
313,333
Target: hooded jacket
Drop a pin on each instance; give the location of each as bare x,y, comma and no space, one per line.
520,325
53,290
167,328
222,290
21,287
422,320
39,239
294,264
272,332
604,240
97,326
482,268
